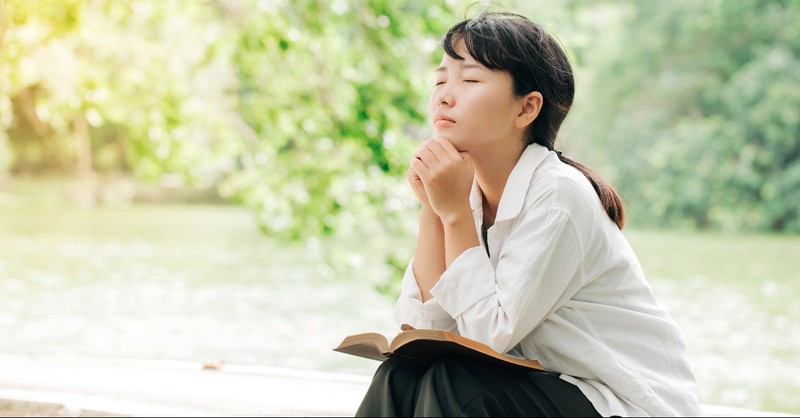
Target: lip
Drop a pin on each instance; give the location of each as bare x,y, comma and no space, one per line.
442,121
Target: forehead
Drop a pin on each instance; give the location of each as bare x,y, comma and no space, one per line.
459,64
466,63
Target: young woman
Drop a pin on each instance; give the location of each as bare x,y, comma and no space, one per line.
520,248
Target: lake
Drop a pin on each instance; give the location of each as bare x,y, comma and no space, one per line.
202,283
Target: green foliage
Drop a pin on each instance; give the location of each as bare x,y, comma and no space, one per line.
134,72
305,111
700,112
308,111
333,96
331,100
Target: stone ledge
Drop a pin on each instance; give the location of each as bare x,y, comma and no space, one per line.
67,386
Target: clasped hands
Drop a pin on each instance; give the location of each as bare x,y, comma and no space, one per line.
441,177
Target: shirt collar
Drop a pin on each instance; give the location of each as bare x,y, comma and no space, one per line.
513,197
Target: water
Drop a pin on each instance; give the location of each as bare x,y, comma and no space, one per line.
201,283
737,299
183,283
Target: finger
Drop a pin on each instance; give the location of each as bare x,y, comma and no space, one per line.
438,147
423,146
420,168
447,147
427,156
411,174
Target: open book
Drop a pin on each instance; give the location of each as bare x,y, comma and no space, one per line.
425,346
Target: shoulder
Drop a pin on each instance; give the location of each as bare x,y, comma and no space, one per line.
561,193
556,186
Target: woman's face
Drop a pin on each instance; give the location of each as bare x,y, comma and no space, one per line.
471,105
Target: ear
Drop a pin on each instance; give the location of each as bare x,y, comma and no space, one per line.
530,106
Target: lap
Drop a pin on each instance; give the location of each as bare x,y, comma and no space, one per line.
459,386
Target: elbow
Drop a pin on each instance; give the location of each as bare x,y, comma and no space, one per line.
502,335
497,332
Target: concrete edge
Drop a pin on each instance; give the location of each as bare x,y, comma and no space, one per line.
81,405
210,367
119,407
76,405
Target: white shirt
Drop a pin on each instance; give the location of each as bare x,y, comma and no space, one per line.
562,285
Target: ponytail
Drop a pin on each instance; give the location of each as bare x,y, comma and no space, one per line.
609,197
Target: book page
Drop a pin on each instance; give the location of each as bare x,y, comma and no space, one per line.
369,345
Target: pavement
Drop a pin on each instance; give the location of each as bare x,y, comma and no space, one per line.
74,386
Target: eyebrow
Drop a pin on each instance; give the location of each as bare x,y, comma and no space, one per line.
463,66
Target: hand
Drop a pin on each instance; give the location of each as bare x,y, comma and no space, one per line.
446,176
417,186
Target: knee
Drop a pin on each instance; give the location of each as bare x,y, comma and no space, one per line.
444,369
393,371
389,366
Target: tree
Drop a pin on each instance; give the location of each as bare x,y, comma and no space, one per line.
108,87
331,99
306,111
700,111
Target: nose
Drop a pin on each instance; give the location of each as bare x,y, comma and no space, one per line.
444,97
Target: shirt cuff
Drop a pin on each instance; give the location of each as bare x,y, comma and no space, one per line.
410,309
469,279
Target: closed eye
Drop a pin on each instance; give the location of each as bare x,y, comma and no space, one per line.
471,81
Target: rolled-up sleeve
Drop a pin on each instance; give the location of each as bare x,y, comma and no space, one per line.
410,309
534,275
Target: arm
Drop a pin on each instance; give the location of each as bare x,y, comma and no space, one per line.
429,261
414,306
537,269
459,236
535,275
428,264
439,243
447,176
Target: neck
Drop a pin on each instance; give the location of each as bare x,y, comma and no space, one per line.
493,166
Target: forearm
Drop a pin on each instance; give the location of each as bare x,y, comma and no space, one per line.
459,236
429,257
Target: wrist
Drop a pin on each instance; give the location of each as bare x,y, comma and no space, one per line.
428,216
427,212
460,217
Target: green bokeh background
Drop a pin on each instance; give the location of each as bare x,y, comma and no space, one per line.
305,113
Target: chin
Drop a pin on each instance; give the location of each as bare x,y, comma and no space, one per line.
456,142
458,145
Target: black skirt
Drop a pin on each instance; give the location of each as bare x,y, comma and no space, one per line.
461,387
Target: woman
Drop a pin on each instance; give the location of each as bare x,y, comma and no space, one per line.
520,248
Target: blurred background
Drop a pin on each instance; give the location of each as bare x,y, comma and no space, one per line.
222,180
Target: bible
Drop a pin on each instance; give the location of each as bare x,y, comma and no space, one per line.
424,346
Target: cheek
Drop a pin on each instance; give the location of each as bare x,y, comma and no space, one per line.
504,111
431,104
492,111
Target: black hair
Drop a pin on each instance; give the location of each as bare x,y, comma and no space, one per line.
537,62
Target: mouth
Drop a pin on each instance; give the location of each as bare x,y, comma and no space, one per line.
441,121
